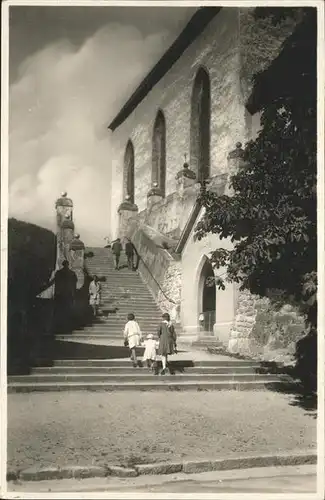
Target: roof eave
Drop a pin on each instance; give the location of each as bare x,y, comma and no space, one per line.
192,30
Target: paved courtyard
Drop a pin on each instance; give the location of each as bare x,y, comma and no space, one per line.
85,428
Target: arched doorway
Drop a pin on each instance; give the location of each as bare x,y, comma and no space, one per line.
207,298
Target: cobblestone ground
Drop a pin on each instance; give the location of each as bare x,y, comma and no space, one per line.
96,428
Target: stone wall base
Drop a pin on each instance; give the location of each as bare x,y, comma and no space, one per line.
263,333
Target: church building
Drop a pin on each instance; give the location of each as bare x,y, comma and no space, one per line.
188,122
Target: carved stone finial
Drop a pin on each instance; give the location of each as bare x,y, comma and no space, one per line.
76,243
186,171
238,152
63,201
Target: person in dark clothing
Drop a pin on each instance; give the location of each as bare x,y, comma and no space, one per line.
167,340
129,251
65,283
117,249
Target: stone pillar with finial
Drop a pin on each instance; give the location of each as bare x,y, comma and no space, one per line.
185,177
154,195
126,211
235,160
65,227
77,256
67,231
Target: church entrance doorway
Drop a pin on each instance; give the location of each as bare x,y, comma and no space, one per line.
207,315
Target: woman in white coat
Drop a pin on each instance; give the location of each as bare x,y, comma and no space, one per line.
132,337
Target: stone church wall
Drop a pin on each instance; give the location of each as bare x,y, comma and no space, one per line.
218,51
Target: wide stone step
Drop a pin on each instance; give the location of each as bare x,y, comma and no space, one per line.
119,291
122,316
228,362
139,375
107,370
121,279
119,323
125,298
104,336
118,330
158,383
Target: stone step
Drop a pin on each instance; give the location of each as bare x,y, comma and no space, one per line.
139,375
96,336
125,293
202,370
122,316
158,383
124,362
119,323
118,275
118,327
126,297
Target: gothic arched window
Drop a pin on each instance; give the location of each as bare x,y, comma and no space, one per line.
159,152
200,125
129,171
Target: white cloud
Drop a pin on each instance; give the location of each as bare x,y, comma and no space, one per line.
59,109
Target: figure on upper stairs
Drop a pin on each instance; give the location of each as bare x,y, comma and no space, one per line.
117,249
131,252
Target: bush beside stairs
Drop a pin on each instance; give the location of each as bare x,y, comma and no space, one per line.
76,367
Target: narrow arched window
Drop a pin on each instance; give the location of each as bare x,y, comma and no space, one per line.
200,125
159,153
129,171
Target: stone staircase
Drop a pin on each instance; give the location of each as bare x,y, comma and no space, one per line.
123,292
94,358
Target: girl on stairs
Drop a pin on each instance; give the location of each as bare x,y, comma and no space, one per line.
132,337
150,355
167,340
94,295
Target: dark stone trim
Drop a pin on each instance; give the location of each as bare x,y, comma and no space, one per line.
64,202
77,245
192,30
125,205
67,224
186,172
155,191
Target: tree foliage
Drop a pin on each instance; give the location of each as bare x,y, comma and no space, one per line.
271,215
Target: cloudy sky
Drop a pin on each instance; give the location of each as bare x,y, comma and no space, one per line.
71,69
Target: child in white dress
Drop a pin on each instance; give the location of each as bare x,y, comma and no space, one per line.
150,354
